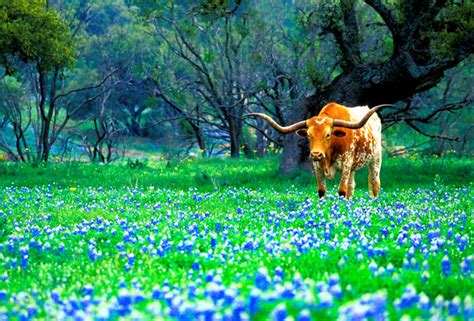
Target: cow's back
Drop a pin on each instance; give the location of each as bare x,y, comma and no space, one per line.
368,139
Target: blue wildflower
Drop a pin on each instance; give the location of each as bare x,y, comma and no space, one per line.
333,279
254,301
454,306
287,292
124,298
409,297
88,289
304,315
325,300
279,313
446,266
466,266
3,295
262,279
424,302
215,291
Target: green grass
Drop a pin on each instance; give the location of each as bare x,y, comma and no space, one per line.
215,173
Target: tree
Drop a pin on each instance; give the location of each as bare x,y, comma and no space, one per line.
427,37
37,46
217,54
17,111
117,46
48,52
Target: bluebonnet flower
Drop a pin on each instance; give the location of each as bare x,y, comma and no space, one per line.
369,306
409,298
287,291
297,281
230,295
468,308
333,279
262,279
88,289
279,272
373,266
463,242
156,293
336,291
425,276
446,266
55,296
390,269
254,301
92,252
238,308
466,265
196,266
304,315
454,306
279,313
215,290
325,300
424,301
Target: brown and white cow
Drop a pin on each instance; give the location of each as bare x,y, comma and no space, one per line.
342,140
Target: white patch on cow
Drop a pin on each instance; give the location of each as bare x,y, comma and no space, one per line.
367,140
321,121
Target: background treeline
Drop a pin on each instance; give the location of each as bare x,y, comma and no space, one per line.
101,79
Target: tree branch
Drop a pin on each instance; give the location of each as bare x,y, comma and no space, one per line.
409,123
88,87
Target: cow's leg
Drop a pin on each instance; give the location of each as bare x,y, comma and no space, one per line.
351,185
374,176
321,179
345,177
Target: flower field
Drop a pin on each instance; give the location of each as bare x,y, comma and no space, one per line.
234,253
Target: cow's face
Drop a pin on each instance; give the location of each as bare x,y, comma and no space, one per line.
320,132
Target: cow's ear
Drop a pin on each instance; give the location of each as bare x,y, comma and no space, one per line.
302,132
339,133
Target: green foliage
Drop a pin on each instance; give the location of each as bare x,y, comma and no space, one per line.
34,33
455,24
136,164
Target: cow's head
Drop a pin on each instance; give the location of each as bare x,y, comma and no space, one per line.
320,130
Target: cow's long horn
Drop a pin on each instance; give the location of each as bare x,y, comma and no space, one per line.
274,124
360,123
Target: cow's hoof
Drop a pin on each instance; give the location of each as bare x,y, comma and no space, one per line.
342,193
321,194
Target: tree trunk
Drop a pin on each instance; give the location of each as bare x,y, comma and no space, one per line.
295,149
234,135
261,144
234,145
135,127
200,140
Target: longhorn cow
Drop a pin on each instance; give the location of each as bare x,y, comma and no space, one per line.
342,140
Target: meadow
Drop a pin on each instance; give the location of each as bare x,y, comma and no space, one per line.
221,239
